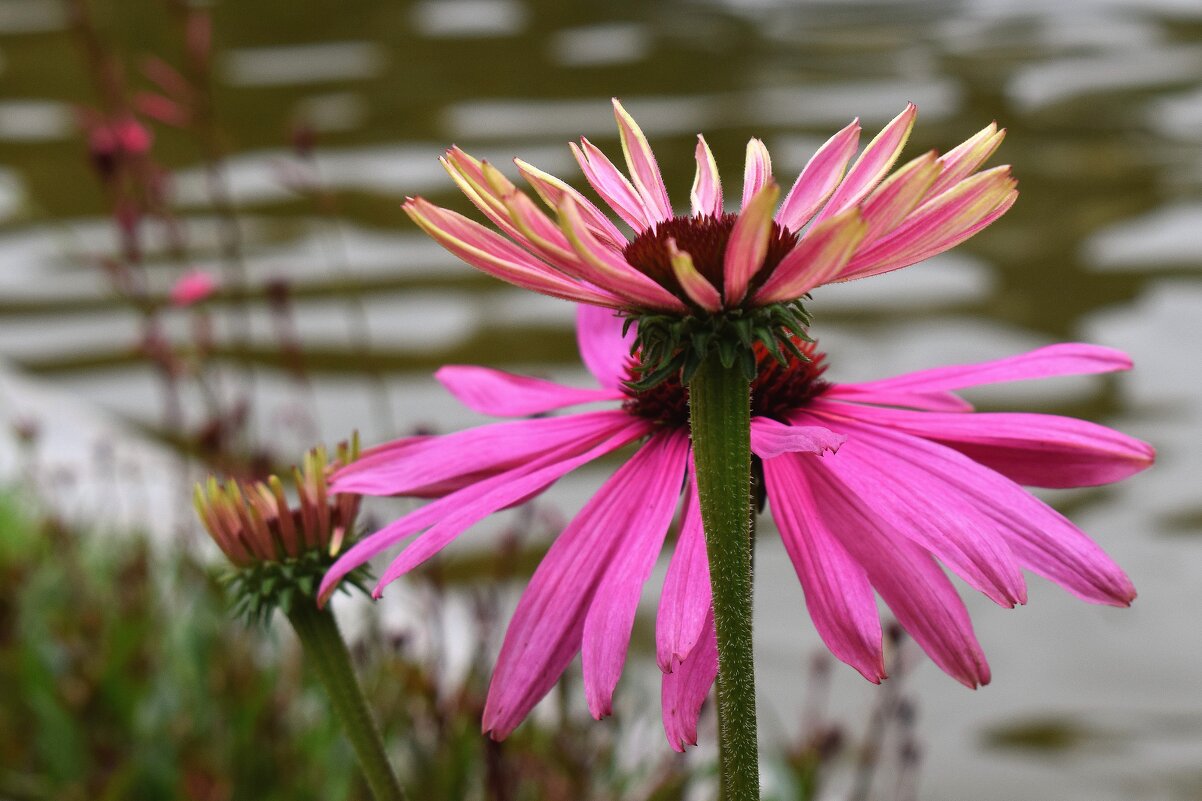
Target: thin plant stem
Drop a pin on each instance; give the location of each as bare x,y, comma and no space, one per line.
325,649
720,422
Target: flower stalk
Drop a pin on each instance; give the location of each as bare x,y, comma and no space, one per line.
720,424
326,651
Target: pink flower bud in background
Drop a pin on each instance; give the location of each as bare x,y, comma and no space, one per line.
132,137
193,287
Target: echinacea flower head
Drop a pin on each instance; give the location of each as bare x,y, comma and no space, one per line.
876,488
279,547
709,279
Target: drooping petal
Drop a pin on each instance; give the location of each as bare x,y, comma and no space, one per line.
502,492
770,438
1045,362
609,182
685,600
907,578
959,162
706,196
887,206
644,172
607,268
603,348
483,450
1041,450
500,258
495,392
1042,540
552,190
910,501
684,690
838,595
695,285
938,224
748,244
757,171
638,538
484,495
819,178
816,259
546,630
872,165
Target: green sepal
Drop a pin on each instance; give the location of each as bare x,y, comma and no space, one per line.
259,589
669,346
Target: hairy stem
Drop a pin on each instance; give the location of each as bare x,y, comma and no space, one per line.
720,421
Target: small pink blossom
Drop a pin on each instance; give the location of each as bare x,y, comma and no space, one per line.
193,287
875,488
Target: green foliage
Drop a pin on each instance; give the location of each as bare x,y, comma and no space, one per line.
258,590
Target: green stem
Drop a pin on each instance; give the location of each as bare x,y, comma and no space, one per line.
720,420
326,651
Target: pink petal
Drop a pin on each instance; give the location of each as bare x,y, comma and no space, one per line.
770,438
644,172
1046,362
929,401
959,162
748,244
909,500
685,689
502,491
887,206
1040,538
706,196
484,496
838,595
638,537
546,630
873,164
907,578
476,452
497,256
604,350
1040,450
608,182
552,190
757,171
506,395
685,600
820,256
694,284
606,267
819,178
938,224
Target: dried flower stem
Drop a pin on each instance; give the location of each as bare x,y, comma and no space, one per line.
720,422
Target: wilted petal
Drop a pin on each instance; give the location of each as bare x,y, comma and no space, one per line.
685,689
770,438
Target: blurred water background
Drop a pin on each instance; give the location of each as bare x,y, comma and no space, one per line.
335,310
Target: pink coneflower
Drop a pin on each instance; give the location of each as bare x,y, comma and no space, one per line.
830,227
872,485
